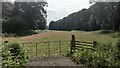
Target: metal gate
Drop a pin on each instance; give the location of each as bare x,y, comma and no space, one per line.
47,48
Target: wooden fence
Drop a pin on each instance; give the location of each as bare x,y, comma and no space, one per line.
75,45
78,44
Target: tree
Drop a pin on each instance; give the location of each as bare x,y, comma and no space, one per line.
52,25
33,13
75,21
114,14
23,16
100,15
7,8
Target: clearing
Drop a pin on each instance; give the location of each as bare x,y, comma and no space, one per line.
55,36
65,35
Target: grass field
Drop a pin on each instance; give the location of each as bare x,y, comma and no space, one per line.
61,35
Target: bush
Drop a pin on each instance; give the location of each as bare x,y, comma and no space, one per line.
19,34
118,48
82,56
25,33
9,35
105,31
115,35
105,55
13,56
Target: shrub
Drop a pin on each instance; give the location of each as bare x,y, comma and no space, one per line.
105,31
9,35
13,56
118,48
105,55
25,33
82,56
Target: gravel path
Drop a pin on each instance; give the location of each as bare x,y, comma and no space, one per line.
52,61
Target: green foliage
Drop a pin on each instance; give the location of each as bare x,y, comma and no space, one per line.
19,34
14,25
13,56
105,31
75,21
104,16
23,16
30,32
82,56
118,48
7,9
9,35
25,33
115,35
105,55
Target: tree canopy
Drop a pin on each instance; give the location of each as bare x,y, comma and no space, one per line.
23,16
100,16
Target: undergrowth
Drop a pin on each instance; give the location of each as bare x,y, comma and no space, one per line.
105,55
13,56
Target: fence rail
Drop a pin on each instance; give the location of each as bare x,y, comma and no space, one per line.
84,42
47,41
75,44
78,44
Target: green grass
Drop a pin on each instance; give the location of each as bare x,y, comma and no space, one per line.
43,49
105,50
66,35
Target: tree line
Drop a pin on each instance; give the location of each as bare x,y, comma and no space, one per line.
100,16
23,16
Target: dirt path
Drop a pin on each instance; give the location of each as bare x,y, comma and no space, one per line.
53,61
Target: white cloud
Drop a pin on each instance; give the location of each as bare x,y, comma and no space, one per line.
65,7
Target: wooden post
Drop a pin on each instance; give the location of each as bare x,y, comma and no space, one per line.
48,49
72,44
94,44
60,47
36,50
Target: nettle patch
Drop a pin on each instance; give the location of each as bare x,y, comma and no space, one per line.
13,56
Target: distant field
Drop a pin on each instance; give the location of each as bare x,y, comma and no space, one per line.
61,35
66,35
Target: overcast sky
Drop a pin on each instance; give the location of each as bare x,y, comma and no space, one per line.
57,9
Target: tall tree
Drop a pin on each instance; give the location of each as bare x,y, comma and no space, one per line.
7,9
104,16
114,13
23,16
33,13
